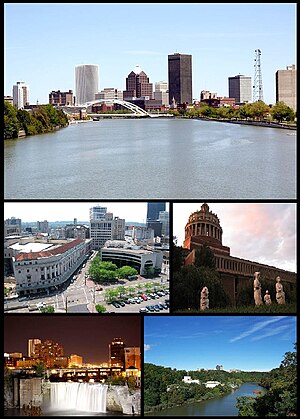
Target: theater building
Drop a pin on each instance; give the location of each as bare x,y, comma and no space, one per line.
203,228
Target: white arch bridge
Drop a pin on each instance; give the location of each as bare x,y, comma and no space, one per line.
136,110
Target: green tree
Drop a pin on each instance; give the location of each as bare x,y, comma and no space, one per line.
100,308
280,111
245,405
259,110
11,123
47,309
205,257
40,368
177,258
126,271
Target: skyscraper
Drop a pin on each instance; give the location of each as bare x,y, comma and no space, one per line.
31,346
117,353
153,209
137,84
286,86
180,78
240,87
20,95
86,82
104,227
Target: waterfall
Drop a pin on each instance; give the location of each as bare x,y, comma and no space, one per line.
86,397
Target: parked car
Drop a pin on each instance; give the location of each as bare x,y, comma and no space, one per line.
115,304
143,310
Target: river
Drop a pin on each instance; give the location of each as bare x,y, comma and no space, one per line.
221,406
153,158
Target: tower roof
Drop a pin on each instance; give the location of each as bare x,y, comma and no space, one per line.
137,69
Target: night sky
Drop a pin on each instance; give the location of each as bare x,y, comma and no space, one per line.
87,336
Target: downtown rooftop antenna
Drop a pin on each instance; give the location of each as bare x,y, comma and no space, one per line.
257,87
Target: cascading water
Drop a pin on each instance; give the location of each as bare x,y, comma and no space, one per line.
85,397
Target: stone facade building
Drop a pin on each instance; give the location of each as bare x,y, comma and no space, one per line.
203,228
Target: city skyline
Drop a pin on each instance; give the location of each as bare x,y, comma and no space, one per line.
77,333
259,232
228,50
248,343
67,211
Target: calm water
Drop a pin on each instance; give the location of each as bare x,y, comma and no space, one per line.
223,406
151,159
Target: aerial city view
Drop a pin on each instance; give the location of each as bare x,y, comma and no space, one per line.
150,209
105,264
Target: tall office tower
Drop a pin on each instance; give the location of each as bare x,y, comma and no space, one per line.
31,346
153,209
180,78
117,353
86,82
165,220
20,95
42,226
133,357
13,224
161,92
137,84
104,227
240,88
286,86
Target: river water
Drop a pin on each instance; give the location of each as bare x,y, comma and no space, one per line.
153,158
222,406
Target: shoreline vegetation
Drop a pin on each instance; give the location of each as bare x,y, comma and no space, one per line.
47,118
164,388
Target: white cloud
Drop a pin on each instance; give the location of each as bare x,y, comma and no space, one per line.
147,347
258,326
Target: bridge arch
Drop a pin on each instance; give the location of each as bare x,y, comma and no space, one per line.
128,105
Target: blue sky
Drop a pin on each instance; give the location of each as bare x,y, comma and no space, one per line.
249,343
44,42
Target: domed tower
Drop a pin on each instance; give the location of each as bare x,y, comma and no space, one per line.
203,228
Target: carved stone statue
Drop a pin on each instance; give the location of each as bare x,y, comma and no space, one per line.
257,289
204,301
267,298
280,294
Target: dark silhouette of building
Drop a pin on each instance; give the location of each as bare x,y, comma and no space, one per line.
180,78
137,84
153,209
117,353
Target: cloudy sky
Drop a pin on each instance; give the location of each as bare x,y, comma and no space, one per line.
260,232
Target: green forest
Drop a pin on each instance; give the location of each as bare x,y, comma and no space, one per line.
43,118
281,397
163,386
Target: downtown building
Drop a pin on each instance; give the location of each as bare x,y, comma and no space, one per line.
43,271
180,78
58,98
137,85
240,88
86,83
20,95
203,229
104,226
286,86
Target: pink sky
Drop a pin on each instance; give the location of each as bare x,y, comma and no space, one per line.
260,232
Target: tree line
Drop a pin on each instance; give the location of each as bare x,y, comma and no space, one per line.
256,111
164,388
43,118
281,397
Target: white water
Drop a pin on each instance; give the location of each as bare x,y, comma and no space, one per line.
86,397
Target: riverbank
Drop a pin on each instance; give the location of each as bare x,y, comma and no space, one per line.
265,124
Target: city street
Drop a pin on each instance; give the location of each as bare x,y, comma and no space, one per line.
83,294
